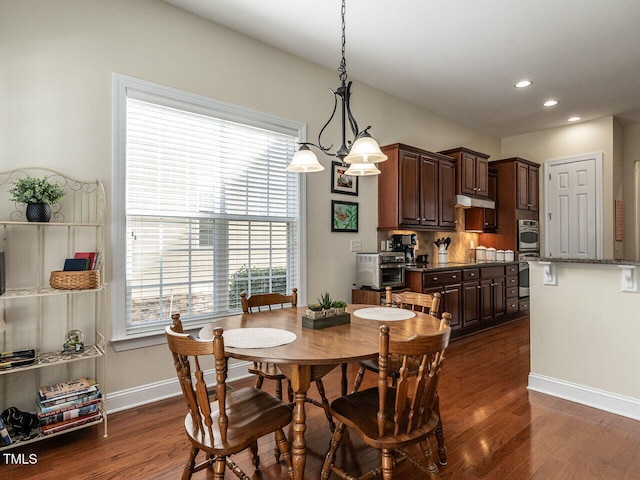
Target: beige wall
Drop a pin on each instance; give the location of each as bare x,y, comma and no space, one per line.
574,140
588,343
631,156
55,86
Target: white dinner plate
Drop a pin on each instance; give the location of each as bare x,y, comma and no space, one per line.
257,337
385,314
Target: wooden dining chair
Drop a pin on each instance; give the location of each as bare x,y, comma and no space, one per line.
421,302
393,418
229,421
424,303
267,301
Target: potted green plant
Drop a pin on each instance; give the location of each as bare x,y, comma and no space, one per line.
339,306
38,194
326,302
314,310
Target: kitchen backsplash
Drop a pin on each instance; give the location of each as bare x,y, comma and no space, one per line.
459,249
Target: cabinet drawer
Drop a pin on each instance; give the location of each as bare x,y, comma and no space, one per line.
471,274
512,281
512,305
440,278
511,270
511,292
524,305
491,272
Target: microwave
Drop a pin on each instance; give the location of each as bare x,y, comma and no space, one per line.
528,236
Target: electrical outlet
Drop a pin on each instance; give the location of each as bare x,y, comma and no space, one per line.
356,245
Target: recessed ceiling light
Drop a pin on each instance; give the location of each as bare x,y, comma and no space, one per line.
574,119
523,84
550,103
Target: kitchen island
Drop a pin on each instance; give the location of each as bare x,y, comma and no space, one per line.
585,327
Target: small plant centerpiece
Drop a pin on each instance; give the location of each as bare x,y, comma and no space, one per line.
38,194
325,313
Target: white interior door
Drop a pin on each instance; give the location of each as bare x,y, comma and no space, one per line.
573,207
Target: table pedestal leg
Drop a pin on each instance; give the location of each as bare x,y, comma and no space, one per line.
300,378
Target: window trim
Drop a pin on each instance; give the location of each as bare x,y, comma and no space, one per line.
123,86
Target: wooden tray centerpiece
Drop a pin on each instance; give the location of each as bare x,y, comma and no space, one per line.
325,313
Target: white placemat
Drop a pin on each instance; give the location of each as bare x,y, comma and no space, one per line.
257,337
385,314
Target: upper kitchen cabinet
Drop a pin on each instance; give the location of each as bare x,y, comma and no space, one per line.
472,172
484,219
416,190
526,185
520,176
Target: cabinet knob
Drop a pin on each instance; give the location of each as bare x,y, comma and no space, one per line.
453,276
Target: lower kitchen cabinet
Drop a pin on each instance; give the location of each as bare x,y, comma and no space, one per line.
476,297
449,301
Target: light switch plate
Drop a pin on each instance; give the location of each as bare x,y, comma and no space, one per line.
356,245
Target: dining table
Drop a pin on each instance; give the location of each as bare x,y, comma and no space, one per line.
309,353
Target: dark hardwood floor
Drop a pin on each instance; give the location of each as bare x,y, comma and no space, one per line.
495,429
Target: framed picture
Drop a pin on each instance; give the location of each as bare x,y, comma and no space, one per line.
344,216
341,183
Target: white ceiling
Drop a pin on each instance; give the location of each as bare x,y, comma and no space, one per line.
460,58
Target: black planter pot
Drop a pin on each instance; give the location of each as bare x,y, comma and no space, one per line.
38,212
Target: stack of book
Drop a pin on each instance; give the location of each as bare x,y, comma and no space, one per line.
82,261
68,404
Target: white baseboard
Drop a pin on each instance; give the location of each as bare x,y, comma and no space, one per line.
592,397
153,392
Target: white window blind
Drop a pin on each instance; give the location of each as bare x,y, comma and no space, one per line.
210,213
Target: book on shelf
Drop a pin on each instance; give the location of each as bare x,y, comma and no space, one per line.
5,438
82,410
91,256
76,264
49,408
17,358
67,424
66,388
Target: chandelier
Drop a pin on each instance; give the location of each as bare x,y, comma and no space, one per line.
361,153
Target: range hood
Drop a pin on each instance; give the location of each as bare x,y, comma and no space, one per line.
462,201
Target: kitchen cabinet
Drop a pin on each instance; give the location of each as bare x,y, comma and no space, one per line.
447,283
511,290
492,291
472,176
516,199
416,190
526,186
477,296
484,219
470,297
372,297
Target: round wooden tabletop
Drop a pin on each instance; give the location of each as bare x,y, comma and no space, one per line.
353,341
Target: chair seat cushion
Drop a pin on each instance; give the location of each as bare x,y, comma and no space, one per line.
359,411
251,413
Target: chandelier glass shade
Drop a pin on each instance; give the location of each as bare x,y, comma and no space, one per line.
361,153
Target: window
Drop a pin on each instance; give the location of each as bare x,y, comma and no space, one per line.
203,207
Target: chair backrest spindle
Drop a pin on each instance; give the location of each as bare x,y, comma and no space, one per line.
414,400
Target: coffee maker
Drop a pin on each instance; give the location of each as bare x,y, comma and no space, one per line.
405,243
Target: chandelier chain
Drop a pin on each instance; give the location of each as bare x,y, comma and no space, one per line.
343,63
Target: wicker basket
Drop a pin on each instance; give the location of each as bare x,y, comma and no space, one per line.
75,280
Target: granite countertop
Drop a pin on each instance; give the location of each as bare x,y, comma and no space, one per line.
434,267
608,261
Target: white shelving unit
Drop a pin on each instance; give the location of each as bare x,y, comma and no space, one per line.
34,315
